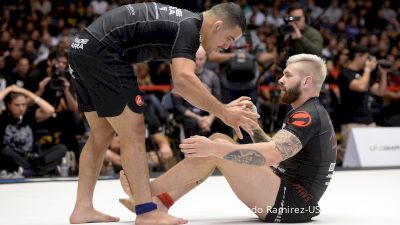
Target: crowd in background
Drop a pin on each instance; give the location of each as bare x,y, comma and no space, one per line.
359,39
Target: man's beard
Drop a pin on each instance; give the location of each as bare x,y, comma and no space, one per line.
290,95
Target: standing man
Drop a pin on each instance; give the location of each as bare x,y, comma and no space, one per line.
100,62
281,178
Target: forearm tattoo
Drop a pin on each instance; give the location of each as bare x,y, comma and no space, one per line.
246,156
286,143
260,136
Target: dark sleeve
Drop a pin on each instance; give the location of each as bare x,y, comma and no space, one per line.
179,104
303,124
153,123
187,41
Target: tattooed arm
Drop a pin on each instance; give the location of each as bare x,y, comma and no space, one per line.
284,145
260,136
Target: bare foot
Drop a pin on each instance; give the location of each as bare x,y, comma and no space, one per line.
130,202
90,216
157,217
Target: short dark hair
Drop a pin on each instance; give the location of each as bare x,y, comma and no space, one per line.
296,6
231,14
357,49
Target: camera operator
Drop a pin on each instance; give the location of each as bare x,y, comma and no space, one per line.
357,82
239,66
53,85
389,113
301,37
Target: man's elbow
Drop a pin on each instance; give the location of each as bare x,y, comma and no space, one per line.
273,159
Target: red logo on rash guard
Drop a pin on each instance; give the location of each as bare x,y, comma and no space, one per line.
139,100
300,119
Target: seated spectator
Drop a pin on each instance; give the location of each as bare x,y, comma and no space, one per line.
194,120
18,145
142,72
20,73
160,152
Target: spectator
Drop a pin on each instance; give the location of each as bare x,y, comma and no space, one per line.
99,6
314,10
256,17
390,113
156,141
44,49
387,11
304,38
194,120
20,74
53,84
30,51
142,72
12,59
4,76
43,6
356,83
333,14
17,134
275,18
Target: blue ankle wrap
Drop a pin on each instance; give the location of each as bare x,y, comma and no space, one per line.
145,208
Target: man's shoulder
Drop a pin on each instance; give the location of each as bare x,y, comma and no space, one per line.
346,72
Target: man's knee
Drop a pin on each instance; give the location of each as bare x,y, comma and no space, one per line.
101,137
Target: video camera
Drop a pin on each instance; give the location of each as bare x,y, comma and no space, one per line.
288,28
384,64
56,83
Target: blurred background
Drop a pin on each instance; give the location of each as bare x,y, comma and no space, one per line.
357,38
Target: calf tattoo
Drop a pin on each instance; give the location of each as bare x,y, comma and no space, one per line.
246,156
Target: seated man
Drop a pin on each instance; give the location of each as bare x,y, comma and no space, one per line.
304,152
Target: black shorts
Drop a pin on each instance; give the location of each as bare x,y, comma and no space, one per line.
104,82
289,207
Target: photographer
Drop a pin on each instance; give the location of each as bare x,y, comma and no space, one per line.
389,113
302,38
53,84
357,82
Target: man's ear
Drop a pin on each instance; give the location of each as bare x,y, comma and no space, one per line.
218,24
308,80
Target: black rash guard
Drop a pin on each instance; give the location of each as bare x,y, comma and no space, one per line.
149,31
311,169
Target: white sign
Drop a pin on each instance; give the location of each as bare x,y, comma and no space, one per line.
373,147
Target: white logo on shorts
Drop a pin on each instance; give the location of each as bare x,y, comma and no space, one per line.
78,43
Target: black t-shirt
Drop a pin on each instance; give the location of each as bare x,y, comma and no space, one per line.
311,169
18,134
355,106
149,31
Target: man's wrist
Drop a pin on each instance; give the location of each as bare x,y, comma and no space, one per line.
367,69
